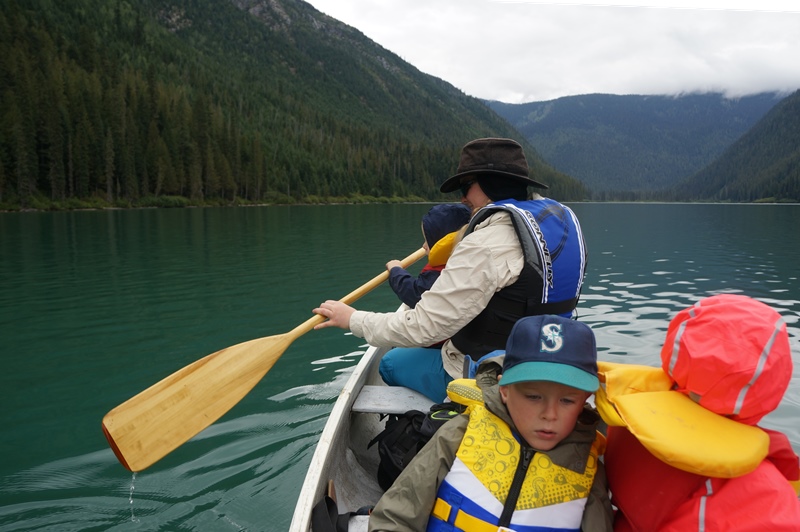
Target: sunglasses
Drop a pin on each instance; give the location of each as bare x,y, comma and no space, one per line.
466,186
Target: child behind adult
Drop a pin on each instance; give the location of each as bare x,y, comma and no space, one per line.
684,451
439,227
524,455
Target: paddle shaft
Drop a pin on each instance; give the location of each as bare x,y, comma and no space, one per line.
148,426
356,294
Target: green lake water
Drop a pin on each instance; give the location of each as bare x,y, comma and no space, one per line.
97,306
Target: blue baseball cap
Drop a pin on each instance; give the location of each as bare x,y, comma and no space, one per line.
443,219
551,348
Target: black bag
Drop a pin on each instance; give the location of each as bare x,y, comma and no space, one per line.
325,516
405,434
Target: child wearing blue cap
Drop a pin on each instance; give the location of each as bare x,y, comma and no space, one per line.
524,455
439,228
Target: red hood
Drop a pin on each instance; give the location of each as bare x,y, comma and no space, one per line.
731,354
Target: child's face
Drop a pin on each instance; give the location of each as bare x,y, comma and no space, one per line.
544,412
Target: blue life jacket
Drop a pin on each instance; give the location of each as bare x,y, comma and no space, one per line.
551,278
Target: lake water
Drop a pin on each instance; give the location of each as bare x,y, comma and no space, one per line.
97,306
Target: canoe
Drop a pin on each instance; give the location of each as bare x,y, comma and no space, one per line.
342,459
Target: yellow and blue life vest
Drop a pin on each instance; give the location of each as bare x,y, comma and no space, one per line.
475,492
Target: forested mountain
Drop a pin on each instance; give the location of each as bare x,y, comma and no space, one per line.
763,165
120,102
634,143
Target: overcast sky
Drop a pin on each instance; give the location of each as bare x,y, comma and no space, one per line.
521,51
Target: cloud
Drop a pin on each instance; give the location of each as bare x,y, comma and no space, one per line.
534,51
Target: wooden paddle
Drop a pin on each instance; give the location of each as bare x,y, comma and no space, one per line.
148,426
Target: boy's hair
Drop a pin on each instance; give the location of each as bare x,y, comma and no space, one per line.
551,348
442,220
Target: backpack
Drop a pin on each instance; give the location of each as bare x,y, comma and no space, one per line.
405,435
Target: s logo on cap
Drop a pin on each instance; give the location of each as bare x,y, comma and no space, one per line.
552,341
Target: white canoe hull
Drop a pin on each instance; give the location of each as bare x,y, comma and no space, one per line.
342,456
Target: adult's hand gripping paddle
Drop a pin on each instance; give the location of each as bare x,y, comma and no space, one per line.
148,426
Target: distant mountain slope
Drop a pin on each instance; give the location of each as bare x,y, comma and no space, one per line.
223,101
634,143
762,165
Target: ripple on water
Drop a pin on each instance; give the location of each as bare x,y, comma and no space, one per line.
103,306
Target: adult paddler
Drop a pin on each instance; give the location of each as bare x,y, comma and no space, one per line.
521,255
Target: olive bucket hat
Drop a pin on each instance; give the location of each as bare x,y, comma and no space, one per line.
502,158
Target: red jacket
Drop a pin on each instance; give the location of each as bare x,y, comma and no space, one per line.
653,496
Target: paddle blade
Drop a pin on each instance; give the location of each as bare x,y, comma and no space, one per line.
148,426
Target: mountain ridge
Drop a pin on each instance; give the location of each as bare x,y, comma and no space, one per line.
155,101
762,165
186,102
635,143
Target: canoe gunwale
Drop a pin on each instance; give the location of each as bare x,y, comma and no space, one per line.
336,433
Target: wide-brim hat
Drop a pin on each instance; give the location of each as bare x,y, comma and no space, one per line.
502,158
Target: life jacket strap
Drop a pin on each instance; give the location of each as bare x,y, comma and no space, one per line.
463,520
532,307
558,307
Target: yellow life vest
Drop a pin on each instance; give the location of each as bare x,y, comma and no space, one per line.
442,249
673,427
551,496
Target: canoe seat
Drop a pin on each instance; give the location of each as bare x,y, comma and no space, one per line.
380,399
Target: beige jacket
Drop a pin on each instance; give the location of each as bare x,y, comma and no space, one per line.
485,261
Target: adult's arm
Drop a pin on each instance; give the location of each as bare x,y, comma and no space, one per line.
485,261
